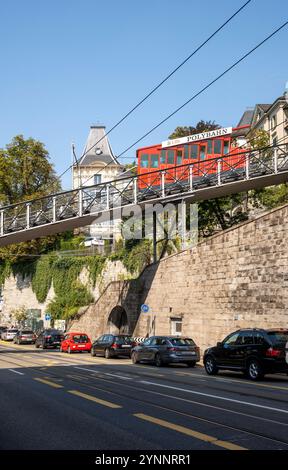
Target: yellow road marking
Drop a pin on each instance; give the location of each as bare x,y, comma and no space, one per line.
189,432
96,400
47,382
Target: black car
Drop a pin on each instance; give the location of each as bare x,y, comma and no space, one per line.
167,349
25,336
49,338
112,345
255,352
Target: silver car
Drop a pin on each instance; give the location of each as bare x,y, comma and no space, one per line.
25,337
9,334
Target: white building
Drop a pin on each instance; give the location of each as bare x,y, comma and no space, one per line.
273,118
97,165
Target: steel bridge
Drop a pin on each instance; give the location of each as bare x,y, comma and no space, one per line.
191,182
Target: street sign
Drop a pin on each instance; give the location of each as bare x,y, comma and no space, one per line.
144,308
60,325
47,316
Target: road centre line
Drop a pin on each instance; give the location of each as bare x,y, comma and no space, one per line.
94,399
215,396
189,432
16,372
48,382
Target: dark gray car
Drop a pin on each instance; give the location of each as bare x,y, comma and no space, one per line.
167,349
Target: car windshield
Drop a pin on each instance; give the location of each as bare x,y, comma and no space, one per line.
27,332
182,341
12,331
80,339
278,337
123,339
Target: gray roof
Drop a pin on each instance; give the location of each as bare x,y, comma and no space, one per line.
89,156
246,118
264,107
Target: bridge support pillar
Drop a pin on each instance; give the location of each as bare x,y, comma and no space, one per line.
183,225
154,237
2,223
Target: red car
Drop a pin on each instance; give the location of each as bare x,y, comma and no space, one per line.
75,342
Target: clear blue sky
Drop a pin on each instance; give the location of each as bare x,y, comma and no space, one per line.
66,64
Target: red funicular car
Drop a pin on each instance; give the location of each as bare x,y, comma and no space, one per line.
76,342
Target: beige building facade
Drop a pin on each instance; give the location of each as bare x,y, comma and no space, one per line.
97,165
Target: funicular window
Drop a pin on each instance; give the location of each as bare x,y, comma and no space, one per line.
170,157
209,146
144,161
194,152
154,160
179,157
202,152
186,152
226,147
163,157
217,146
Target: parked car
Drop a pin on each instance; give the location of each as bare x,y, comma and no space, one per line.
2,330
49,338
9,334
24,336
255,352
73,342
162,350
112,346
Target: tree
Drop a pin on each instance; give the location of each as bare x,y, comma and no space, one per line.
25,171
20,314
201,126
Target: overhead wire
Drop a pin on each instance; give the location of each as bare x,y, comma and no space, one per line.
156,87
228,69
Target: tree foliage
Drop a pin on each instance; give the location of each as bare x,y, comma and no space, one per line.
201,126
25,171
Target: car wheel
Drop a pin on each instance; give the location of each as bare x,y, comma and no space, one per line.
158,360
210,366
93,354
43,346
36,345
134,358
107,353
254,371
191,364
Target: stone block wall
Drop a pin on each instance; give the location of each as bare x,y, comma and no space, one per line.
238,278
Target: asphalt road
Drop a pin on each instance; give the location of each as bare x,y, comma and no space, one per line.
50,400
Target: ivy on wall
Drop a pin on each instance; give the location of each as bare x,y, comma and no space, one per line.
63,273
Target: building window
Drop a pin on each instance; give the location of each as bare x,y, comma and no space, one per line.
97,179
176,326
144,161
273,122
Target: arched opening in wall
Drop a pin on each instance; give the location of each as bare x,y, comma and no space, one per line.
118,321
